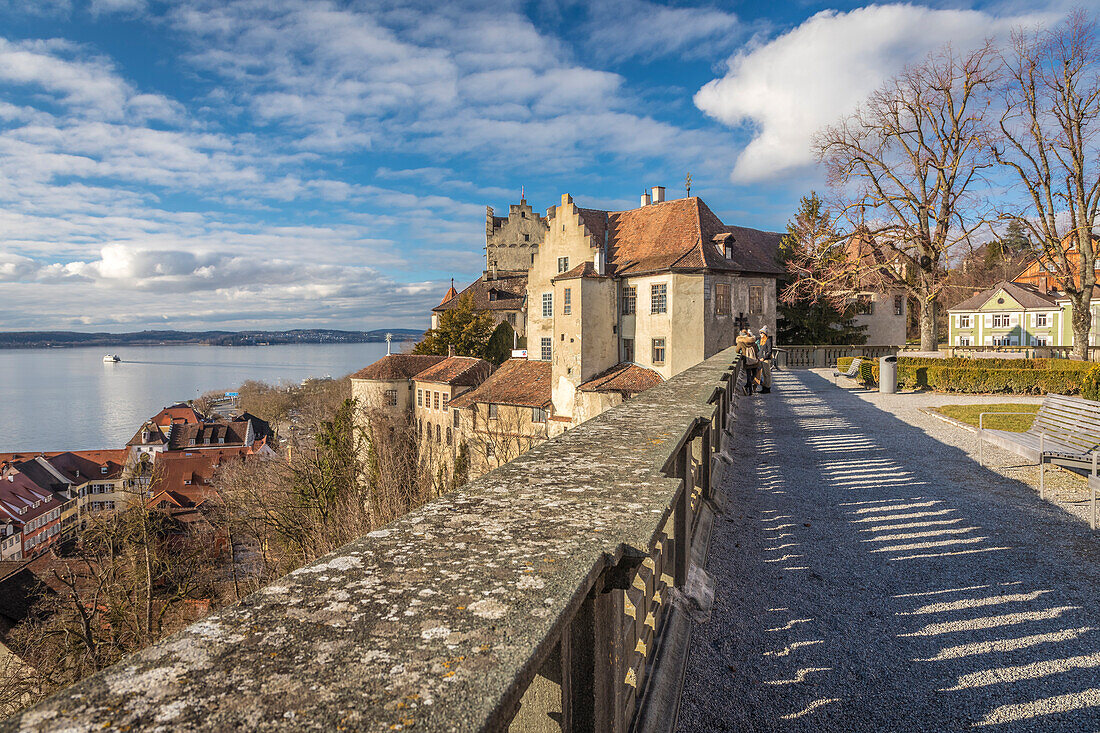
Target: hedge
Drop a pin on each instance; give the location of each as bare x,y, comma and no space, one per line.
1015,376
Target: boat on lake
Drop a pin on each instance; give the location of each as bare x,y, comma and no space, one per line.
111,359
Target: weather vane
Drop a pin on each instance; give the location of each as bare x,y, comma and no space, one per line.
687,184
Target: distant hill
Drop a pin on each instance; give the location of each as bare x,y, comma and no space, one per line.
54,339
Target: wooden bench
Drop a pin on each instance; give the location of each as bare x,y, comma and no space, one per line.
1066,432
853,370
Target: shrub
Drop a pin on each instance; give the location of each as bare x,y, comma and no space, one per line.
1015,376
1090,385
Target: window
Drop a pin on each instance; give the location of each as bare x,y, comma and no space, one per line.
450,440
864,305
899,305
435,400
419,398
547,305
722,299
964,322
728,251
658,298
658,351
563,264
630,300
1000,320
1041,320
538,414
526,237
547,346
438,434
628,350
567,302
391,400
512,320
493,410
1040,340
493,295
458,418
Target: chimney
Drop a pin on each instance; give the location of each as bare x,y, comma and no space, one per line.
1043,285
646,201
450,350
658,194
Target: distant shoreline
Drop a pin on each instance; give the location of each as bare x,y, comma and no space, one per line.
75,339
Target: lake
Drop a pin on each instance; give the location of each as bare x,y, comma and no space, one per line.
69,399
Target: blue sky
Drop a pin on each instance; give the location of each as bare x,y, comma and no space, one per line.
302,163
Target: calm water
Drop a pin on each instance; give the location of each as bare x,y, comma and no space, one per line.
68,399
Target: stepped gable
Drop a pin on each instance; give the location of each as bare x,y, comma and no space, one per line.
506,290
460,371
517,382
625,378
685,234
397,366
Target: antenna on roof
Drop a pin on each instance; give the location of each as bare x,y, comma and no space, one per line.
522,193
389,338
687,184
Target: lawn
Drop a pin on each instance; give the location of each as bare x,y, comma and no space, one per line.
969,414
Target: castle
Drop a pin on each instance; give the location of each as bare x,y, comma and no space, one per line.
608,303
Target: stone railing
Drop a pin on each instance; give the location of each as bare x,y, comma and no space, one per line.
808,357
554,592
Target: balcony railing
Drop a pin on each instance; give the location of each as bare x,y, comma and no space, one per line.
551,592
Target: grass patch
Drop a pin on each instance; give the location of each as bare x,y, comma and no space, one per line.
1015,423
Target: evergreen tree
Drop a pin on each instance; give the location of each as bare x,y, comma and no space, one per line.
499,348
463,327
805,321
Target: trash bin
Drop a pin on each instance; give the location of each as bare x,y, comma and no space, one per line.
888,374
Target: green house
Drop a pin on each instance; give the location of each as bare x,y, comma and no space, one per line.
1011,314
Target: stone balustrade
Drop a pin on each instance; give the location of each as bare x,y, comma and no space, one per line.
549,594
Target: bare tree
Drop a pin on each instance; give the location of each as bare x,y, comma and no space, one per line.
1048,139
905,168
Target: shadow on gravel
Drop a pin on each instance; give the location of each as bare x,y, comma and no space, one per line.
872,578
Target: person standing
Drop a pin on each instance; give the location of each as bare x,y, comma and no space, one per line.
766,351
746,346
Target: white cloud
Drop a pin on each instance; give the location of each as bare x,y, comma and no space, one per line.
786,89
97,7
625,29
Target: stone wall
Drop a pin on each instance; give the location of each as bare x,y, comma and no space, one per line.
511,243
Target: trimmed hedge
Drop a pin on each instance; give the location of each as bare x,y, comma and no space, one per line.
1014,376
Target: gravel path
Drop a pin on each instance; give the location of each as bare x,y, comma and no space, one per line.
870,576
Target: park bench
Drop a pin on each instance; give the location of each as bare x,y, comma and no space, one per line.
852,373
1066,432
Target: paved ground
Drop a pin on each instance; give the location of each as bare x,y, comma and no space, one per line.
870,576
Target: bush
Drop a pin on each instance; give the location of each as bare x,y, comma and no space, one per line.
1014,376
1090,385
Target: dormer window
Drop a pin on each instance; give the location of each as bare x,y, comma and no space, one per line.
103,470
728,251
493,295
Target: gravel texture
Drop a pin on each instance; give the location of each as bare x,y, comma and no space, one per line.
871,576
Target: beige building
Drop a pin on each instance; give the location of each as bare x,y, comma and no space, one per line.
512,241
435,388
661,287
387,385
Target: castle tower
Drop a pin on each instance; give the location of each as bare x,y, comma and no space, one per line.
512,241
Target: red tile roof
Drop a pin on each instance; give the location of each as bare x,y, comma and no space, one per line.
397,366
183,437
188,475
516,382
178,413
148,434
681,234
584,270
460,371
625,378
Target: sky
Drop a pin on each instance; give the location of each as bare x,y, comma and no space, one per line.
237,164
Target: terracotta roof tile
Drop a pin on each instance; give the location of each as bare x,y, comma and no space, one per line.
681,234
516,382
584,270
397,366
461,371
625,378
